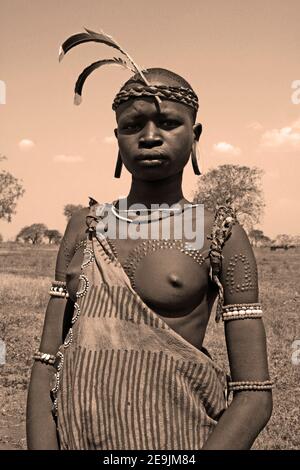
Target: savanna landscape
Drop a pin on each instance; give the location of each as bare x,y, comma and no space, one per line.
241,59
26,273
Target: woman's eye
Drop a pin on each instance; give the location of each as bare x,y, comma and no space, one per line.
130,127
170,123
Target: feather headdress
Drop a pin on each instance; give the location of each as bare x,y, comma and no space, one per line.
91,36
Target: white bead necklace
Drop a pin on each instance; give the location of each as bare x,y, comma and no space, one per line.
151,219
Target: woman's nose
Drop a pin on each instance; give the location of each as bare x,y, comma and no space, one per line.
150,136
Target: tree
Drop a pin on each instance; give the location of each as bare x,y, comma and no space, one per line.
296,240
258,238
70,209
33,233
255,236
237,185
54,236
265,241
283,239
11,190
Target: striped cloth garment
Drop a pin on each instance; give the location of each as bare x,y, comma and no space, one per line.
128,380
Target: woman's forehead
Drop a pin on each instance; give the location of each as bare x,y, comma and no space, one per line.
140,106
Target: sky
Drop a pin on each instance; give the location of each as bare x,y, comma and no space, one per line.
241,57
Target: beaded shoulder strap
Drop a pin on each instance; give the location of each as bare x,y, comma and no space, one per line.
93,215
225,218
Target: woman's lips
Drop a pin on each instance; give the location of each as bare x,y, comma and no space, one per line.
151,159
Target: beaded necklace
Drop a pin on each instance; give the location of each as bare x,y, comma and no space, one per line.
144,219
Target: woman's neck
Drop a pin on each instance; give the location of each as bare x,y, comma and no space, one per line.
167,191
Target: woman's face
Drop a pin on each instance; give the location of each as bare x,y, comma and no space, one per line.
155,143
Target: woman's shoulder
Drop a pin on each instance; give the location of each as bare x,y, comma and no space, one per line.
75,233
77,222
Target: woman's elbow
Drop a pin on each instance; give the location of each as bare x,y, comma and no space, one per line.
262,406
259,406
267,407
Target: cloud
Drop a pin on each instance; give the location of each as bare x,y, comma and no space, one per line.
296,124
255,126
110,139
286,138
26,144
68,158
224,147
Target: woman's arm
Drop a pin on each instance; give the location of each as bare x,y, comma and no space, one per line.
41,426
249,411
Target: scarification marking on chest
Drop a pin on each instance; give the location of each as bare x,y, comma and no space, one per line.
149,246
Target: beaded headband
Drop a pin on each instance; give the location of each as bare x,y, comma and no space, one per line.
180,94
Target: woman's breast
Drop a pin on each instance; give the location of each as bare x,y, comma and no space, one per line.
168,281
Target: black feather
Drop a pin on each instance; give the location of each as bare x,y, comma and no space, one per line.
82,38
88,70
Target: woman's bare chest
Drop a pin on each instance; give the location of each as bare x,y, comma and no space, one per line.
170,278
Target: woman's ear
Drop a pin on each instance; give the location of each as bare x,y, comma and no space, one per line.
197,128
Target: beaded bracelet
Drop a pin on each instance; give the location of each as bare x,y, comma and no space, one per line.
241,311
59,289
250,385
44,357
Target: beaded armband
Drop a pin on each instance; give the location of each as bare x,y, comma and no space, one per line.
250,385
59,289
225,218
241,311
44,357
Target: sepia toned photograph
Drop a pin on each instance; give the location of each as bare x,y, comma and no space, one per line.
149,227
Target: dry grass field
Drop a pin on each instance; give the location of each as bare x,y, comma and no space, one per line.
25,274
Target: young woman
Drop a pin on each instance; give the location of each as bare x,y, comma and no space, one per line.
121,363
